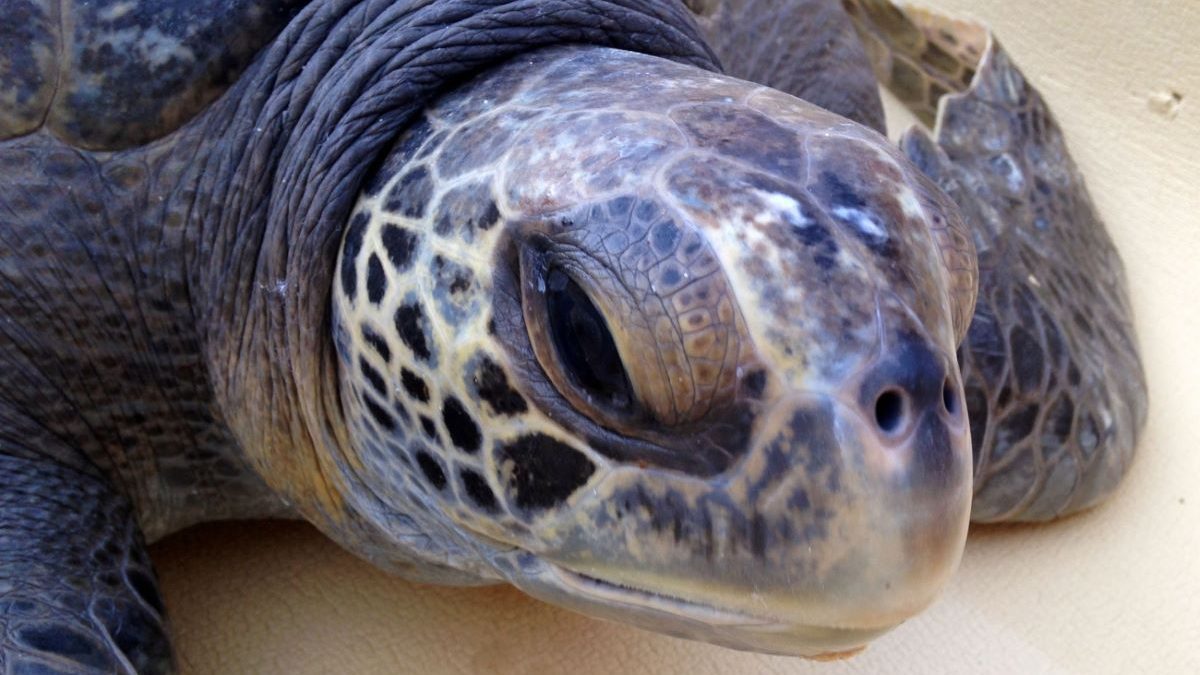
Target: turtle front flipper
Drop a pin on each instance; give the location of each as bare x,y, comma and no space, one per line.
1054,385
77,593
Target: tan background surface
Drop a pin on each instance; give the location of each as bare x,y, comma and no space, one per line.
1113,590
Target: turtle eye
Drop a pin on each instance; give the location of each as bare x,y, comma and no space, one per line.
584,344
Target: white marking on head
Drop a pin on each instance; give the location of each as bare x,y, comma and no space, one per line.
862,220
784,207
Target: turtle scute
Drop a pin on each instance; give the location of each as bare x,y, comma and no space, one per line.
129,71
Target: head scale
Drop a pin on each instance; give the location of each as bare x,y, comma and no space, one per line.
662,346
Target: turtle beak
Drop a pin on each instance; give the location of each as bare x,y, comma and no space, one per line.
855,517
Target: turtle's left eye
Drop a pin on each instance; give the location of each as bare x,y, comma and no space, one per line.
584,343
573,336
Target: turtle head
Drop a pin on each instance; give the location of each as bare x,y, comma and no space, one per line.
664,347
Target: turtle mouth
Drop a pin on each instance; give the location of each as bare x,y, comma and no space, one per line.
616,593
689,618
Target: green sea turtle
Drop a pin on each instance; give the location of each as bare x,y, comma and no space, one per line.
527,291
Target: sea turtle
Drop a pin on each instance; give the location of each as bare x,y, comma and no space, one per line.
527,291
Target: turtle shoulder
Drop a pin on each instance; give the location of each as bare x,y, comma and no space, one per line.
112,74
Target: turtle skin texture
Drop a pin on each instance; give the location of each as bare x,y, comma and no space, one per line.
142,146
258,259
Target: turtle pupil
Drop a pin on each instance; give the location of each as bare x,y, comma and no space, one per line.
583,342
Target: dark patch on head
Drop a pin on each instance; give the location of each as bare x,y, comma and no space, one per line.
415,385
842,196
452,283
754,383
492,385
430,429
489,216
813,234
816,236
373,377
400,154
751,137
432,470
376,341
400,243
410,324
544,472
465,209
379,414
376,280
464,432
350,250
813,429
411,194
478,489
667,512
799,501
454,277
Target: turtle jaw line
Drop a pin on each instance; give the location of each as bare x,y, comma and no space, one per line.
615,593
727,627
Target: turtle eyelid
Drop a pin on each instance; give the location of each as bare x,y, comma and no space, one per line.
584,343
573,341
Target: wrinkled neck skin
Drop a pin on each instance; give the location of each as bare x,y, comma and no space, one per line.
795,474
271,172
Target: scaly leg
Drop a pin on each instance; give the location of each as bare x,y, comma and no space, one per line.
77,593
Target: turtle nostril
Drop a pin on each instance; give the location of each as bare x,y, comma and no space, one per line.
889,411
949,398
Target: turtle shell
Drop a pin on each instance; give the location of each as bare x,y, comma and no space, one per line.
111,74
